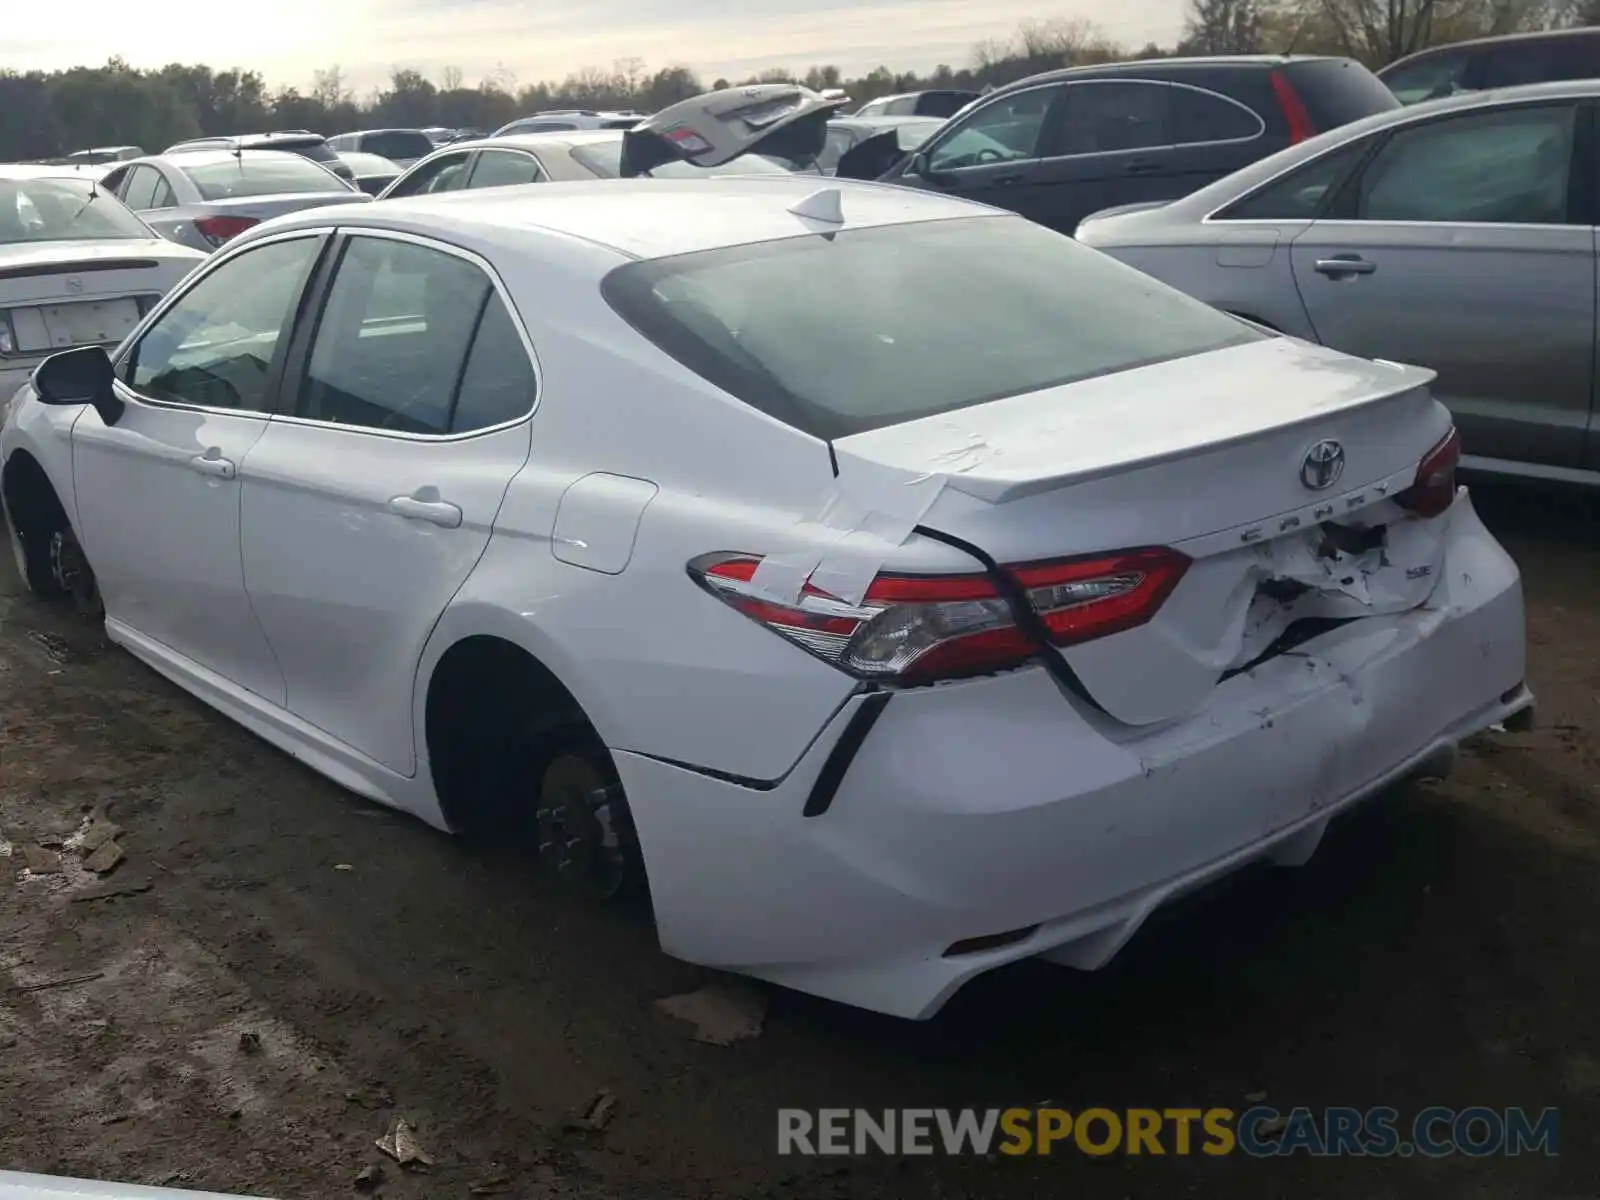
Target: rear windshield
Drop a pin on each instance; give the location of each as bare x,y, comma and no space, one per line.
50,210
838,335
605,160
260,174
1337,91
397,143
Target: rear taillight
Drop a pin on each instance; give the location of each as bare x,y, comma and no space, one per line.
218,230
1293,109
918,628
1435,488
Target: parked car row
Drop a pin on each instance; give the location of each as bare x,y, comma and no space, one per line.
880,640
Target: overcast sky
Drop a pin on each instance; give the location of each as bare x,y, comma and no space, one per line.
538,39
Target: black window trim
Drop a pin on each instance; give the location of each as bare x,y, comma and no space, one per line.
477,157
315,303
272,392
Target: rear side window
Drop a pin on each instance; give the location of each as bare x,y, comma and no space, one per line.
397,143
1201,116
1336,91
258,173
1541,61
856,331
1299,195
1102,118
396,340
141,190
502,168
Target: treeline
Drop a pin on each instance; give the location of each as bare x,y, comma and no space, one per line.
53,113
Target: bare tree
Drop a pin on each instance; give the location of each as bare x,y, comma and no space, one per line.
1224,27
450,79
328,89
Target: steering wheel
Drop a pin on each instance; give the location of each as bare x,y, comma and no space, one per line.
986,156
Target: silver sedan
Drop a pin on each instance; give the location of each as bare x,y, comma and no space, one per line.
1459,234
202,198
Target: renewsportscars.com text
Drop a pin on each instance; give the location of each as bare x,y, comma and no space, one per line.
1259,1132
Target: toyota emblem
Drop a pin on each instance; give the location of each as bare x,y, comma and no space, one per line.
1323,465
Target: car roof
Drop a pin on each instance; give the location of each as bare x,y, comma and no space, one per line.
365,160
1154,65
648,218
202,156
80,171
1536,35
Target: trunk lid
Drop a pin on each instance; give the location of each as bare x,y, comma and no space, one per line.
783,120
1272,465
263,208
94,292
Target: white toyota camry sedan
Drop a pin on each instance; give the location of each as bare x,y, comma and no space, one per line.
895,587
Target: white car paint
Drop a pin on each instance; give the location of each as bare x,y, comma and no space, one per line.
44,273
22,1185
311,588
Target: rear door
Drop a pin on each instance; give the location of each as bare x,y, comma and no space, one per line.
1464,244
365,509
992,154
1129,141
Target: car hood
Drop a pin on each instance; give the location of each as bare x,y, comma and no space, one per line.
21,257
783,120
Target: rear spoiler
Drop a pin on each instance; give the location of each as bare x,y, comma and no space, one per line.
784,120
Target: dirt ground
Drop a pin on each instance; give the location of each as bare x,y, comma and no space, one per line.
286,968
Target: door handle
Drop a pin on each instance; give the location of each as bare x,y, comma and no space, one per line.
435,512
1339,266
1008,180
212,464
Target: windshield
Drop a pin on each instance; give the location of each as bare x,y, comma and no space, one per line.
51,210
605,160
840,334
260,174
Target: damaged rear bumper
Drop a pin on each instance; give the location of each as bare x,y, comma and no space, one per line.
996,806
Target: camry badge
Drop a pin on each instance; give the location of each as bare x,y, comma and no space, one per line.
1323,465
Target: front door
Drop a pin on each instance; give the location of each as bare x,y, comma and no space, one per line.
366,509
992,154
1464,245
158,492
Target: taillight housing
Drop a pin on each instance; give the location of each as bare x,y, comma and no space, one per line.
921,628
219,230
1293,109
1435,488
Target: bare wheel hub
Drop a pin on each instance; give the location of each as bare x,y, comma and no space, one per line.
584,829
70,568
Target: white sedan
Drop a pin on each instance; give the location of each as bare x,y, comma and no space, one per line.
76,267
900,587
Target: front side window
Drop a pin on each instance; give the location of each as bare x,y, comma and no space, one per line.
1431,79
1105,117
1003,130
414,340
1301,194
1509,166
503,168
447,173
260,173
51,210
214,347
856,331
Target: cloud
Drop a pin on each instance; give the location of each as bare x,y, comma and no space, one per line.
541,39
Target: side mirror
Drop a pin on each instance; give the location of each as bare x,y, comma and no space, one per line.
80,376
